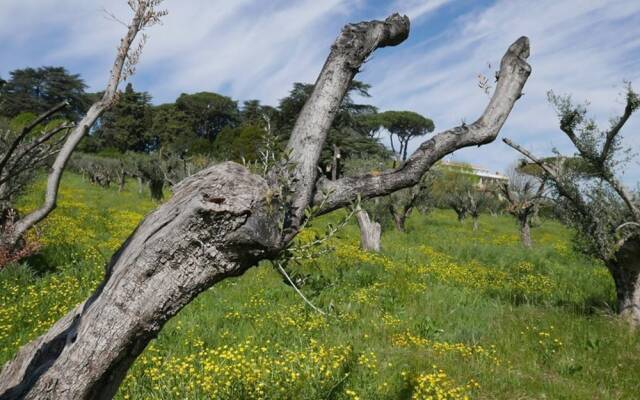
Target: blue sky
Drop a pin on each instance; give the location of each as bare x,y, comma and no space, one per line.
256,49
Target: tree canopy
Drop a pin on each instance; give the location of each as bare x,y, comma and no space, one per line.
37,90
126,126
208,113
199,123
404,125
171,129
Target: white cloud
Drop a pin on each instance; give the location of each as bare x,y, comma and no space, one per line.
246,48
247,55
416,9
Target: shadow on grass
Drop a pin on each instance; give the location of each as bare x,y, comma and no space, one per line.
40,265
49,260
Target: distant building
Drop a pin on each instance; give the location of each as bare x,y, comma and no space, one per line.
486,177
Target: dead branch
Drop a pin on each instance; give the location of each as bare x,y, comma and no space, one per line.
514,71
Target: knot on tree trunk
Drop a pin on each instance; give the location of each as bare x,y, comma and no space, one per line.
224,206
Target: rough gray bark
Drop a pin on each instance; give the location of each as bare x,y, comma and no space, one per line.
350,50
461,212
369,232
122,177
476,202
217,225
400,215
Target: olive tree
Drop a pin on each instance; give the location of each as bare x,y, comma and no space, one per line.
455,188
523,195
403,202
477,200
224,220
592,197
99,170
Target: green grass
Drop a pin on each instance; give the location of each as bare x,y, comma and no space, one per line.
495,320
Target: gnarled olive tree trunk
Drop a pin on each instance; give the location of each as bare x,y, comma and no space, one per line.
214,227
476,221
461,213
402,204
400,215
523,196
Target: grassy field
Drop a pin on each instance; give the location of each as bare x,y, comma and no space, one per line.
442,313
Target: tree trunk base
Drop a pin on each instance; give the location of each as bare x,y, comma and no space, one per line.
400,215
625,270
525,234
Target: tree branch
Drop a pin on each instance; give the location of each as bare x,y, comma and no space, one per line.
571,193
350,50
514,71
42,139
625,194
506,190
283,272
630,107
25,131
142,12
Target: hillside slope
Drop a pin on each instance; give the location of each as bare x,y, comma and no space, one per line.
443,311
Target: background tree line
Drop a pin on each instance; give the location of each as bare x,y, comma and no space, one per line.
159,145
198,123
